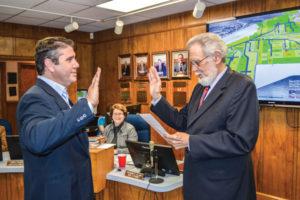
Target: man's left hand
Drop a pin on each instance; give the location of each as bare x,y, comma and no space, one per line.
178,138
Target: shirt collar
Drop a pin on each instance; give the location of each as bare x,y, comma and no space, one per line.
60,89
219,76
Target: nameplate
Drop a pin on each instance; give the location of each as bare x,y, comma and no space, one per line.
14,163
135,175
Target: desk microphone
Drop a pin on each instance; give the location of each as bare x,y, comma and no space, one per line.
155,179
151,148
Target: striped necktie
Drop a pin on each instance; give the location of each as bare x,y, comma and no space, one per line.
65,96
204,93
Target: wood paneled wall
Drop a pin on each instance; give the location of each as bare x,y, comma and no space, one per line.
164,34
276,155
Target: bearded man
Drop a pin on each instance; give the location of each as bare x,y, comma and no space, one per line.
219,125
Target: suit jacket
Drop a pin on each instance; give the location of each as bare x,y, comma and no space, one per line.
163,71
223,132
182,68
56,154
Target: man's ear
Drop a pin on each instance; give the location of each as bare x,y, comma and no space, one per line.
217,57
49,65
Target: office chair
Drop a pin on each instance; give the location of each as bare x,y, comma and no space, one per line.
6,124
141,126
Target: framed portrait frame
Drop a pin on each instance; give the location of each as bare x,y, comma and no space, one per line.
160,61
141,66
180,67
125,67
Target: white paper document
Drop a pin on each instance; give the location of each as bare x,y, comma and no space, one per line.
105,146
158,128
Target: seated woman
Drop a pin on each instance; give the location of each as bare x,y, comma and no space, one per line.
119,130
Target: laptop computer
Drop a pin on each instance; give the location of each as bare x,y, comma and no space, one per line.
14,148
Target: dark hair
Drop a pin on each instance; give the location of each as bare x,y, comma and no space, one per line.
180,54
47,48
119,107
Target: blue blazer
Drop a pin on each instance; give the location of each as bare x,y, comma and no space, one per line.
56,154
223,132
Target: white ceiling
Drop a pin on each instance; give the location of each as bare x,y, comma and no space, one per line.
85,9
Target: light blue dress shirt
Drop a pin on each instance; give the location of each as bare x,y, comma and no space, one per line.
61,90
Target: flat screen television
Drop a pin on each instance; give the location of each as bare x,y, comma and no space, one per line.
266,47
140,154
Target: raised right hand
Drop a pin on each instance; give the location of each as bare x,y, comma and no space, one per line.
93,91
154,83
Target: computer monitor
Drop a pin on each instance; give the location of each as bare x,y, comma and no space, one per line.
134,109
14,148
1,157
140,154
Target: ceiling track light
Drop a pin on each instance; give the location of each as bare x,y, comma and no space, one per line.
199,9
72,26
119,27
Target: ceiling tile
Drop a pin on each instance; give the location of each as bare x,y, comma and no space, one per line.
86,2
21,3
55,24
67,20
106,25
169,10
39,15
26,20
60,7
133,19
91,29
3,16
10,11
97,13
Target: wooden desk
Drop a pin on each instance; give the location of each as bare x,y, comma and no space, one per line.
11,177
122,191
102,163
121,187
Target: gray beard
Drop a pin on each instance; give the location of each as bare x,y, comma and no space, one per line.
208,80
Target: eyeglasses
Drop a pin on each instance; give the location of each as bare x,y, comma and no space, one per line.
196,63
118,114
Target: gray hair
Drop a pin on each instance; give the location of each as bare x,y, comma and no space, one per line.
210,43
48,48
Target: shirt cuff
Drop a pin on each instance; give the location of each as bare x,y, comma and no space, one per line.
91,107
155,101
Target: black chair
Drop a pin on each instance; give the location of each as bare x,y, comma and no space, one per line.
6,124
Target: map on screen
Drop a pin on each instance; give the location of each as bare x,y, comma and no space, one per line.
267,48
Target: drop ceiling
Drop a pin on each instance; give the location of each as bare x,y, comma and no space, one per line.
84,9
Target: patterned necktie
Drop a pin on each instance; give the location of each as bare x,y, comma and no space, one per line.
204,93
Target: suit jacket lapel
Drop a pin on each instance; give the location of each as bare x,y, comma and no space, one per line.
213,96
59,100
82,138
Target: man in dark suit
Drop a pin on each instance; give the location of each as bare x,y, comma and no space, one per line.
161,68
219,125
180,66
126,69
56,153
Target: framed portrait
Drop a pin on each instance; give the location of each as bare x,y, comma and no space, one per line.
125,67
141,66
160,61
180,64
